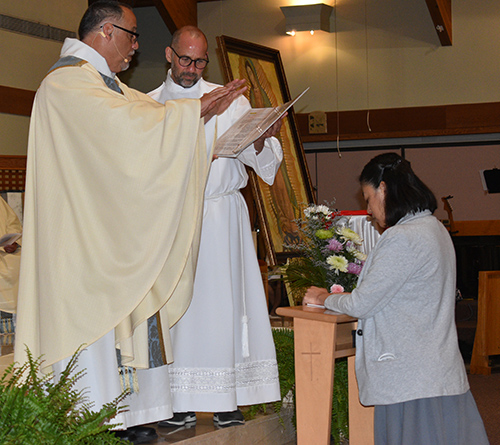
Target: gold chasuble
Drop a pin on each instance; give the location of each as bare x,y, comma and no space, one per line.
114,195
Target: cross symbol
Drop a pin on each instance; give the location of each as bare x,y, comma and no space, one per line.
310,354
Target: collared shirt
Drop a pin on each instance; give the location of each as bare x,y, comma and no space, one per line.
75,47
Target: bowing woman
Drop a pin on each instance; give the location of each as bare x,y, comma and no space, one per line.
408,364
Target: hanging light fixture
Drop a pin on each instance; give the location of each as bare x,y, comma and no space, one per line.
307,18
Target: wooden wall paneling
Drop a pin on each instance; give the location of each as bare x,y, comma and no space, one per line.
16,101
437,120
477,228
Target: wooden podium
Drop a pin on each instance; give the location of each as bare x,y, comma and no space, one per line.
487,339
322,336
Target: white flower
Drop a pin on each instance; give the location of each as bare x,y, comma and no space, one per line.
338,262
350,235
308,211
323,209
311,211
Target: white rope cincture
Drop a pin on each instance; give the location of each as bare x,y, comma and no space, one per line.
244,335
245,347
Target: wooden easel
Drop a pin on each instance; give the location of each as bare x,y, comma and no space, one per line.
487,339
322,336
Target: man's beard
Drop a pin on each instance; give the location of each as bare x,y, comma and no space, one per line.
186,80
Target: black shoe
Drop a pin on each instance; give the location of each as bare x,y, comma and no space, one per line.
144,434
125,435
179,419
232,418
137,434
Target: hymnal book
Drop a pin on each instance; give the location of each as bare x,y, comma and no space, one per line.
9,239
249,127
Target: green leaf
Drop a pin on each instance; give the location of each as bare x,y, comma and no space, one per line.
34,410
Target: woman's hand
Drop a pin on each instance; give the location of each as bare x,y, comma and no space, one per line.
315,295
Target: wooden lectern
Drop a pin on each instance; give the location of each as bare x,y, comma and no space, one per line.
487,339
321,336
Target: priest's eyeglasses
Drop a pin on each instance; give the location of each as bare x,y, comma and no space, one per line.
186,61
134,35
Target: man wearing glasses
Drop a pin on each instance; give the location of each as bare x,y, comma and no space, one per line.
224,355
114,194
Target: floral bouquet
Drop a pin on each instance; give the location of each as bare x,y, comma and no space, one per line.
328,254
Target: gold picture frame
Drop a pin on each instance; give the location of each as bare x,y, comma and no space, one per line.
279,205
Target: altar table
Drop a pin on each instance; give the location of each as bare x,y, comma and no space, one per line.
321,336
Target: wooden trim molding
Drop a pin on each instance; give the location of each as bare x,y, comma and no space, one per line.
16,101
13,162
440,120
477,228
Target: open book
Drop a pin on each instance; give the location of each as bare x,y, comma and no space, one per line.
249,127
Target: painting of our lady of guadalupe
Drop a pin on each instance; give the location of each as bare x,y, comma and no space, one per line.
283,202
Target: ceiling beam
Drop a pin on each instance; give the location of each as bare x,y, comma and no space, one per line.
177,13
144,3
441,16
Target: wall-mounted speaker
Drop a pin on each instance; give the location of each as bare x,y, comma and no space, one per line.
491,180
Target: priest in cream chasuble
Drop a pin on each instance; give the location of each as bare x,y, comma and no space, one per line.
112,217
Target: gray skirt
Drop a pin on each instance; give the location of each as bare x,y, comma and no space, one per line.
445,420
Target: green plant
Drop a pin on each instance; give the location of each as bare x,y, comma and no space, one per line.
340,402
35,410
284,342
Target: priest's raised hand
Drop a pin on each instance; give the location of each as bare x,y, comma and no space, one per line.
217,101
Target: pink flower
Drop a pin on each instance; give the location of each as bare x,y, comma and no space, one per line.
335,245
336,289
354,268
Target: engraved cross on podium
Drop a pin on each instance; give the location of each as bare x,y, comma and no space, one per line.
310,354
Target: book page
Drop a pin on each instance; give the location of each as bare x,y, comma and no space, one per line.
248,128
243,132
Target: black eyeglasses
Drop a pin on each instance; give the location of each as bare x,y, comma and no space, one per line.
186,61
135,35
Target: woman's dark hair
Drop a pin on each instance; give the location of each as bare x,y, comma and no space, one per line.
405,192
99,11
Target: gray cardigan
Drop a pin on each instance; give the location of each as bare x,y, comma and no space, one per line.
405,303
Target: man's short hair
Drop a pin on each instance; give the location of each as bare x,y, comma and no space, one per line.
98,12
193,31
